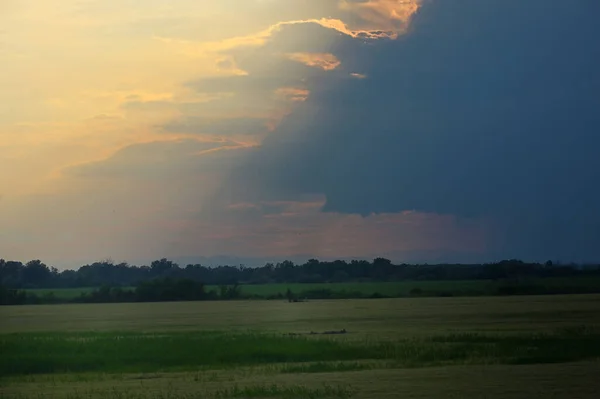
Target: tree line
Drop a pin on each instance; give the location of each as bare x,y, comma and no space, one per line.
169,289
36,274
157,290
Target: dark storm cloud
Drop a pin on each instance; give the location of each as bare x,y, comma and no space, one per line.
486,109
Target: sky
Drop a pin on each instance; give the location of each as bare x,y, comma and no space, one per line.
418,130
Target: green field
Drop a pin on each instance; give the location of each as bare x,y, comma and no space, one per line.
63,293
387,289
492,347
391,289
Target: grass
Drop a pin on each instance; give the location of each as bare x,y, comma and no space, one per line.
62,293
118,352
291,392
273,391
558,381
387,289
493,347
330,367
245,392
380,318
26,354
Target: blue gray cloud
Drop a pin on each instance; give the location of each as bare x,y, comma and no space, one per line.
485,109
163,160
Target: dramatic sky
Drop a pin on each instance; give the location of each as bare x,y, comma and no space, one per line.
419,130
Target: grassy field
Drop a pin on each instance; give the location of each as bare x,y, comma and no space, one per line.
63,293
391,289
494,347
388,289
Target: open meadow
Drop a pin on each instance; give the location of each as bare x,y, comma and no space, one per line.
492,347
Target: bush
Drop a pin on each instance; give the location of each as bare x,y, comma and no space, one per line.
168,289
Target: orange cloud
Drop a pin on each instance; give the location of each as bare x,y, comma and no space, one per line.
228,65
295,94
288,228
389,15
325,61
373,11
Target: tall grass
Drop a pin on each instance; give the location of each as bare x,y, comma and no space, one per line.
285,392
267,391
129,352
325,367
104,352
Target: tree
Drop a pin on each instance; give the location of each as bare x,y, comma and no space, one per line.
381,262
169,289
382,268
163,267
36,274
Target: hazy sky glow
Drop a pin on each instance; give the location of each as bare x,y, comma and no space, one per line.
418,130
